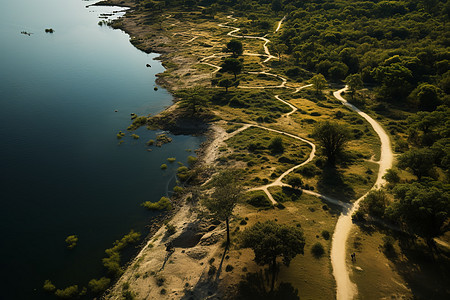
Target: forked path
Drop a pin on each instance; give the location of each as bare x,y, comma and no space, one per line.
345,288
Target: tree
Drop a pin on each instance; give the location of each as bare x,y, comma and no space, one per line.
319,82
98,286
354,83
277,5
338,71
226,83
375,203
270,240
427,96
193,99
332,137
232,65
394,80
235,46
227,192
420,161
422,209
276,145
295,181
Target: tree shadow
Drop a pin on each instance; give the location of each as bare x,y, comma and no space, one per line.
426,275
254,288
331,183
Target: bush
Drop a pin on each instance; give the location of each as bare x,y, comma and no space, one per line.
309,171
171,229
388,244
178,190
229,268
295,181
98,286
71,241
183,173
163,203
49,286
191,161
276,145
326,234
358,216
260,200
68,292
317,250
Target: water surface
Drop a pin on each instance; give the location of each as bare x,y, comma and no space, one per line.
62,171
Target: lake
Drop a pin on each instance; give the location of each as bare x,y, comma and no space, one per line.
62,169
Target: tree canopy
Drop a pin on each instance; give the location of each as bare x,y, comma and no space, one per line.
270,240
332,138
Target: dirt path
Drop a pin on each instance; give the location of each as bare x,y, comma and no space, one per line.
345,288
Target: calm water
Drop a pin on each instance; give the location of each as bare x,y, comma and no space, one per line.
62,171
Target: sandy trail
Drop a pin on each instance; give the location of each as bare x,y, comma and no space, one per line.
345,288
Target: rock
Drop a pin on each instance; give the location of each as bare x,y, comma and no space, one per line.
359,269
197,253
148,66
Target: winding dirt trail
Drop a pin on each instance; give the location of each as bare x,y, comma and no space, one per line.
345,288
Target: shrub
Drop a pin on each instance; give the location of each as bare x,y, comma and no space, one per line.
276,145
178,190
163,203
229,268
295,181
183,173
309,171
326,234
71,241
49,286
163,166
68,292
317,250
98,286
358,216
171,229
388,244
260,200
191,161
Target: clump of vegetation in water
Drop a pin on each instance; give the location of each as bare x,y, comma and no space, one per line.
178,190
171,159
163,203
163,166
162,139
135,136
183,173
68,292
71,241
98,286
49,286
191,161
120,135
137,122
150,142
112,261
49,30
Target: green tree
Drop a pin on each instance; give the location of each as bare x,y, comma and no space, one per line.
354,83
194,99
395,80
270,240
375,203
226,83
232,65
420,161
226,194
235,47
422,209
295,181
276,145
332,137
427,96
277,5
319,82
338,71
68,292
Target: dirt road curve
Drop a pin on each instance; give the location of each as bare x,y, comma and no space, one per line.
345,288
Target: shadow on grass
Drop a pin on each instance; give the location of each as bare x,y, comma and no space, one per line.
331,183
426,273
254,288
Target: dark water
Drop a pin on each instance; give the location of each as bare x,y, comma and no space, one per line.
62,171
